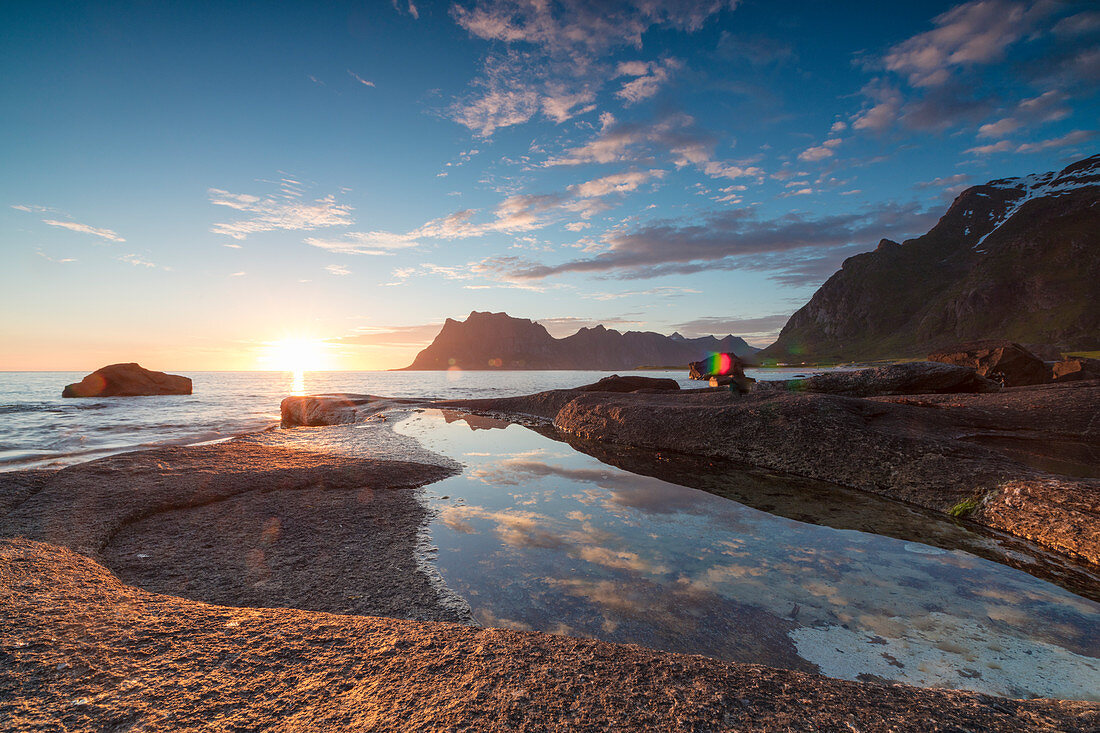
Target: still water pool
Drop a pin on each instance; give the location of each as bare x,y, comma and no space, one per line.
536,535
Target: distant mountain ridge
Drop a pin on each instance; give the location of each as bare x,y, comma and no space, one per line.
499,341
1015,258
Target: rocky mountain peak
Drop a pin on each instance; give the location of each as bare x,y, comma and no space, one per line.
1014,258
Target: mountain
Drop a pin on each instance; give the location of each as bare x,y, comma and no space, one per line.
1016,258
498,341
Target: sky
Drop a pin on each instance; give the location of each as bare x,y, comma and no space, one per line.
200,188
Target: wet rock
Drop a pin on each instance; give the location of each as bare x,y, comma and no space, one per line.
997,359
615,383
1075,368
909,452
922,377
314,410
127,380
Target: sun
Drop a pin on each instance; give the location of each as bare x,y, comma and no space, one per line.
296,355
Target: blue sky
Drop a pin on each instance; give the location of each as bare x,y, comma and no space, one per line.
186,186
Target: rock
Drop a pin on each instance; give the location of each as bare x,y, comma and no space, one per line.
127,380
1018,258
615,383
1075,368
1046,352
920,377
903,451
997,359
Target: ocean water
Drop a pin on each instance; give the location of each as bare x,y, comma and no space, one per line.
40,429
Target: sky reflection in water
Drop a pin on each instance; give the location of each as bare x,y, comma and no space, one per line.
538,536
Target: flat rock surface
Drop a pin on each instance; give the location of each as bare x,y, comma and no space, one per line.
251,522
83,651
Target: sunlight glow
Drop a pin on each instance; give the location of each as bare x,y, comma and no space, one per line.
296,355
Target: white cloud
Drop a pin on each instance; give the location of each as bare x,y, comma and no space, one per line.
976,32
85,229
1047,107
135,260
577,226
337,270
632,68
278,212
820,152
360,79
676,134
1070,138
365,243
885,110
43,255
1001,147
616,183
648,83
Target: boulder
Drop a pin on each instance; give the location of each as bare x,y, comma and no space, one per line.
920,377
1005,361
127,380
1075,368
615,383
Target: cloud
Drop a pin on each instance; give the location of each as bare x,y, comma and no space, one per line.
496,107
885,110
973,33
577,226
337,270
552,61
797,247
135,260
825,150
360,79
278,212
1047,107
364,243
674,135
579,26
84,228
1071,138
43,255
646,84
944,182
1004,146
616,183
759,326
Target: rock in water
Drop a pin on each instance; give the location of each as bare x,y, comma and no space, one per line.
1006,360
127,380
1076,367
615,383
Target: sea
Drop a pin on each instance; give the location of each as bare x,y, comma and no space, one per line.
40,429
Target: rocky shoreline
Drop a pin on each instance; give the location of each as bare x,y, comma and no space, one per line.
942,452
221,585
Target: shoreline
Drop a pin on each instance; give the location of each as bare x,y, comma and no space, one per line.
268,654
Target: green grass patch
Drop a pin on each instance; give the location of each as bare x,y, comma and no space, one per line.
963,508
1086,354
